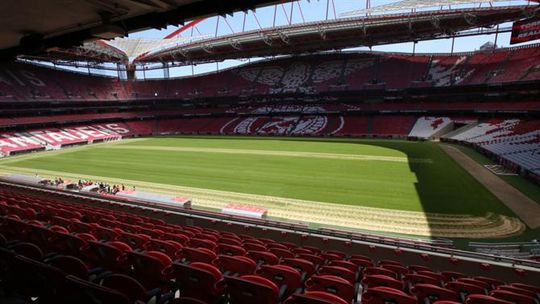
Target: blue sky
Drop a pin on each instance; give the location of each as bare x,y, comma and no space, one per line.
312,10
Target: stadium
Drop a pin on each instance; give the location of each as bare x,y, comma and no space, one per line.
295,152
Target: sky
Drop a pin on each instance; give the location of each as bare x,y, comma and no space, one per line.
307,11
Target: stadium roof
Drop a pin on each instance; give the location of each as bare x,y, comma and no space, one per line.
30,26
362,30
339,34
134,47
417,4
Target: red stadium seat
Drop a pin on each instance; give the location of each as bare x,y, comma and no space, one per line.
203,255
263,257
331,284
339,272
202,243
315,259
379,270
336,253
452,275
227,249
198,280
170,248
230,236
269,245
207,236
389,262
185,300
375,280
515,289
433,293
300,250
28,250
361,262
315,297
484,299
106,254
179,238
256,247
105,234
465,288
330,256
235,265
493,282
134,240
84,292
414,279
400,270
478,283
279,252
38,235
288,279
513,297
68,223
417,268
526,287
69,265
129,287
304,266
383,295
148,267
230,241
313,249
35,279
249,289
345,264
439,277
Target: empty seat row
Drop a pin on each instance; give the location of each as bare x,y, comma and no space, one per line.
232,268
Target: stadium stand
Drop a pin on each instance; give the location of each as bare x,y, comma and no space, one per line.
116,255
512,140
53,138
528,250
392,125
427,127
303,74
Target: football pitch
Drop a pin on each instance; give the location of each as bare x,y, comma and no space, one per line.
383,185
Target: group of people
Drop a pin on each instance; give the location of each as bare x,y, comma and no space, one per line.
103,187
58,181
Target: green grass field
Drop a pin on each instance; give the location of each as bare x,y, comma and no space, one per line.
415,176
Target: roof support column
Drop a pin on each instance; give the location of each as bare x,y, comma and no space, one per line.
275,14
496,38
165,70
327,8
290,16
129,73
217,26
